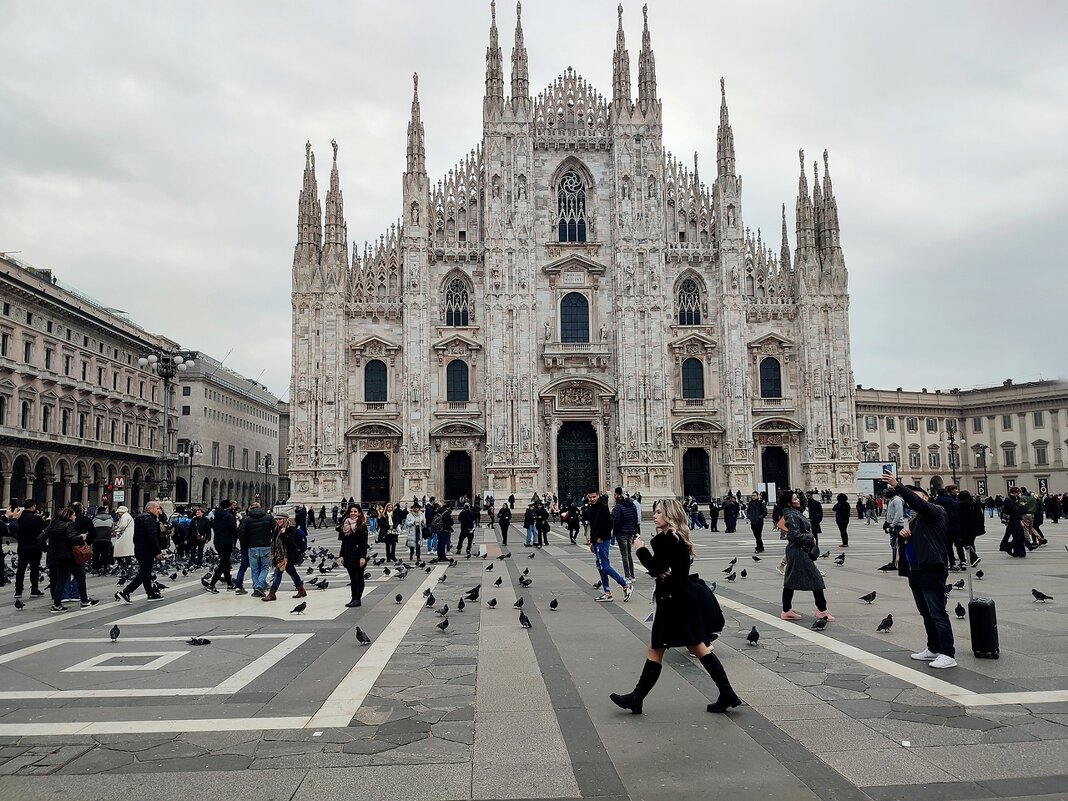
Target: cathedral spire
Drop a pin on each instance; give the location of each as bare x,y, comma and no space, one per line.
520,76
817,204
830,235
334,233
696,176
806,232
309,212
724,136
620,66
784,251
416,145
494,100
646,68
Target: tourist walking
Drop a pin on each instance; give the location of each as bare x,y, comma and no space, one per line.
256,532
224,529
756,510
679,620
972,525
103,525
31,524
504,517
842,512
199,536
285,556
415,526
893,524
1012,513
625,528
600,522
731,510
146,551
57,540
467,522
801,553
353,530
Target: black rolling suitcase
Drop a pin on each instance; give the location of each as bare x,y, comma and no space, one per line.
983,620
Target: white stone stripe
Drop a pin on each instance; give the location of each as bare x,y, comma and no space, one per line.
350,693
150,726
924,681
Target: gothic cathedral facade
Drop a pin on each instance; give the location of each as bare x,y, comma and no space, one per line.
569,307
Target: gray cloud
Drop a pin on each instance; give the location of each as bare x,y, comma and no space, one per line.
151,154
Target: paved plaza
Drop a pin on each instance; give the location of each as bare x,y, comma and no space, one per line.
281,706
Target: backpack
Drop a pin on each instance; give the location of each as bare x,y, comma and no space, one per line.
438,524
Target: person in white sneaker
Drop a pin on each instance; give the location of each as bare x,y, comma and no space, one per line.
923,546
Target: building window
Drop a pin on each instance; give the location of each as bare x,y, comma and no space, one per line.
457,309
571,208
912,424
151,438
24,419
977,425
186,391
140,436
934,459
689,303
693,379
914,460
68,364
457,381
185,411
231,456
115,381
770,378
129,385
50,356
64,422
29,318
374,381
125,433
895,457
99,429
1041,458
871,422
27,352
100,376
3,410
1006,422
891,424
1008,457
932,425
46,418
5,343
244,458
1039,420
574,318
7,308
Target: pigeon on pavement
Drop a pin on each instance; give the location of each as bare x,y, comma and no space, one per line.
299,608
499,581
753,637
114,632
198,641
524,621
869,597
444,624
1041,596
518,604
960,611
430,601
491,603
443,611
19,605
460,605
820,624
361,637
554,604
886,623
398,598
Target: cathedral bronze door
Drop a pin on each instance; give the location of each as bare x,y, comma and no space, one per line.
775,468
457,475
374,478
696,475
576,461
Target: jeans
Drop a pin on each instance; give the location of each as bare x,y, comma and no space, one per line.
626,553
59,575
259,560
143,577
928,591
239,580
444,540
894,531
532,535
77,572
415,543
291,569
28,558
604,566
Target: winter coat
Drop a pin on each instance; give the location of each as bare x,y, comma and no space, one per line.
926,546
972,521
123,541
285,547
58,537
756,511
801,571
815,515
353,544
842,512
678,620
31,525
625,517
224,527
256,529
504,516
146,537
600,520
103,523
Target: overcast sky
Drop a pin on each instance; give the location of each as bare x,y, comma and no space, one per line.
151,153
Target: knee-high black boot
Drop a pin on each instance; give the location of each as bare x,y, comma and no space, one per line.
727,697
633,700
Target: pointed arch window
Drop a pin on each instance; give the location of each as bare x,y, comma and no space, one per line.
689,303
457,381
571,208
693,379
374,382
574,318
770,378
457,303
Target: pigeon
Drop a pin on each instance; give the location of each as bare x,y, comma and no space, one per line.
426,593
959,585
868,598
484,555
743,574
728,569
299,608
524,621
960,611
361,637
712,586
443,611
827,554
472,594
979,574
430,570
525,582
489,567
198,641
430,601
820,624
532,555
732,577
526,572
1041,596
323,585
452,563
554,604
444,624
491,603
885,624
173,576
398,598
114,633
460,605
756,558
385,571
840,559
505,556
732,562
499,581
443,577
19,605
315,581
754,636
518,604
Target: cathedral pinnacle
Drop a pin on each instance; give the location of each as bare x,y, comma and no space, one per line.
724,136
784,251
334,232
416,146
830,233
806,231
646,68
620,66
494,100
309,217
520,76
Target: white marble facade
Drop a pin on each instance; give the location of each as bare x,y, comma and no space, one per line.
610,313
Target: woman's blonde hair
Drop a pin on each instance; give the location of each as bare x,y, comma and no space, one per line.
678,521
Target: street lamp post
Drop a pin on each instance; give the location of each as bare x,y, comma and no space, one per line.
266,480
982,450
166,364
193,450
954,447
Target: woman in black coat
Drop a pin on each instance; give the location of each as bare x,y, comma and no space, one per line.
58,538
972,525
842,512
679,620
353,530
504,517
801,571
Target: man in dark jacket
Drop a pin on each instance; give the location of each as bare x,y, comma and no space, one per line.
947,500
224,531
925,550
756,510
815,514
541,523
445,534
30,526
713,513
146,552
730,514
598,517
467,521
256,533
625,528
